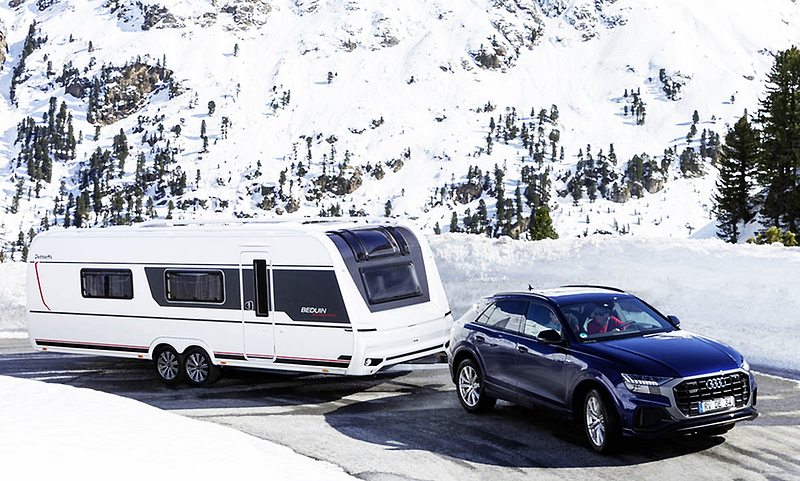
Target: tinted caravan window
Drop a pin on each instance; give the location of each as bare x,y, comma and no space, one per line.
195,286
368,244
107,283
390,282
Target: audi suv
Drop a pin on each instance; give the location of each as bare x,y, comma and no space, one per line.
603,357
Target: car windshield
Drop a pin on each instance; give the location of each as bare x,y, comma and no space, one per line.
613,317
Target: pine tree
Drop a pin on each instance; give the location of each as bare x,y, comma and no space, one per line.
780,159
541,225
733,203
454,223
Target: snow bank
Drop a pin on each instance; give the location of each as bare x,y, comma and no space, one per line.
12,299
743,295
99,436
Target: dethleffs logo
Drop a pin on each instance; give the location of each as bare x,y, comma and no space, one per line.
314,310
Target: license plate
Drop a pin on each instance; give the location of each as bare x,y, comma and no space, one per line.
716,404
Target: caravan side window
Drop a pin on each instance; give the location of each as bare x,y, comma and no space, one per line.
107,283
390,283
195,286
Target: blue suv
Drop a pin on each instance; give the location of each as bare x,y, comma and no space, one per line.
601,356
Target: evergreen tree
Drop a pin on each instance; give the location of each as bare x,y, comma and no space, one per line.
454,223
780,159
541,225
733,203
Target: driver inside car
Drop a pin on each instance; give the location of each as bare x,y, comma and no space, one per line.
602,320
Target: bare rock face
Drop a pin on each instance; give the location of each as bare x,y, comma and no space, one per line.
3,45
43,5
127,89
518,25
247,13
145,17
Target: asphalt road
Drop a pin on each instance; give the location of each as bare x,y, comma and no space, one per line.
407,424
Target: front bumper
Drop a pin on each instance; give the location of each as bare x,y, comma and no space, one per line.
688,426
657,414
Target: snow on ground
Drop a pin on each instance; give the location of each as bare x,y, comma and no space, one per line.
98,436
743,295
12,299
740,294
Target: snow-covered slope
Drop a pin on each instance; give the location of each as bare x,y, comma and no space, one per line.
344,86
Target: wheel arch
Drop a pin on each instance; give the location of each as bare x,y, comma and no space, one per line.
181,345
582,389
462,353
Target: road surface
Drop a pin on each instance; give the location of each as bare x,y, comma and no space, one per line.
406,424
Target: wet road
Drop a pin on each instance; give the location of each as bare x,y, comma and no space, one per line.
407,424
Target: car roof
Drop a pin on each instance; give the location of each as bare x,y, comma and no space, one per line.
569,294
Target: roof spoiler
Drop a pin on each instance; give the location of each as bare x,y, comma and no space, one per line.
615,289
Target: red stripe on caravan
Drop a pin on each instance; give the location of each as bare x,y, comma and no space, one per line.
90,343
314,359
41,294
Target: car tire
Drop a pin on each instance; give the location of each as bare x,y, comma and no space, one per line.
168,365
600,422
198,370
471,389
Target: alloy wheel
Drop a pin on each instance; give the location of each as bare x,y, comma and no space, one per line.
168,365
197,367
595,420
469,386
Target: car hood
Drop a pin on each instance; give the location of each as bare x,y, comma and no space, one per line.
670,354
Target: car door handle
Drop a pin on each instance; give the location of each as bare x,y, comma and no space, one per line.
522,348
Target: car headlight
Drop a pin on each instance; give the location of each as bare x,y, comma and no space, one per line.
644,384
745,365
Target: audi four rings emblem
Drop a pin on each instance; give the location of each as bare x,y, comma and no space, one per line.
716,383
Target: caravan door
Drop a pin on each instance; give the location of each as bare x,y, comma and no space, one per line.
258,319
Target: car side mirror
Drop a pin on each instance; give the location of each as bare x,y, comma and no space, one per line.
674,320
549,336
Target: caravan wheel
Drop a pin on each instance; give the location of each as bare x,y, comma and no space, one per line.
168,364
198,368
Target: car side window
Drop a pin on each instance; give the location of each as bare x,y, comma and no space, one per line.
539,318
508,315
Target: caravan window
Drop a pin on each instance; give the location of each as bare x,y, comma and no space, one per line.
369,244
390,283
107,283
195,286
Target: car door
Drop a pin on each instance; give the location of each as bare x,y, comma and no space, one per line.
539,373
495,340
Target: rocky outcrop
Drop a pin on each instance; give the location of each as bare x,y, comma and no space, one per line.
247,13
121,91
3,45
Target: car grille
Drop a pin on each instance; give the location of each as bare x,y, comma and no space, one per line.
689,394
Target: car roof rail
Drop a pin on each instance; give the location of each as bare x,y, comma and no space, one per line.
519,293
615,289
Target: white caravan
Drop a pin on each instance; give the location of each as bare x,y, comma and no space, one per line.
341,296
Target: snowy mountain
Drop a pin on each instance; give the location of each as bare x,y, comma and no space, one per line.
114,111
